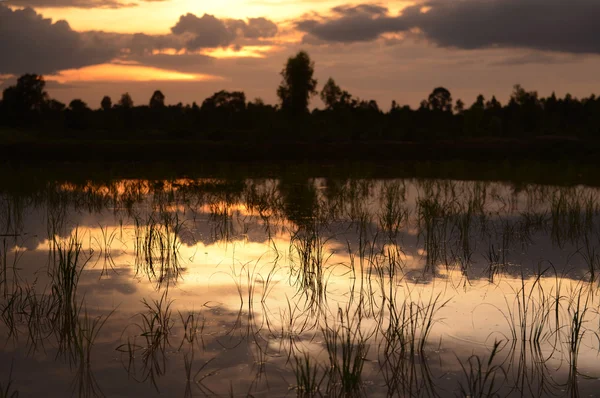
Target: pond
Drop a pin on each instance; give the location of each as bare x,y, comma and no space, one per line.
299,287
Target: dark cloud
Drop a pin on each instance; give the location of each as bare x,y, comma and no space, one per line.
211,32
553,25
353,23
361,9
207,31
257,28
557,25
141,43
75,3
31,43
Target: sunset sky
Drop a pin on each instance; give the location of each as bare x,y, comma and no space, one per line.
376,50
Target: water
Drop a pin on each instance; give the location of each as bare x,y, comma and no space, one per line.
273,287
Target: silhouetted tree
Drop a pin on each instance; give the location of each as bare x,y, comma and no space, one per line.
525,110
335,98
298,84
226,115
479,103
77,117
370,105
459,107
157,100
440,100
523,97
55,106
331,94
231,101
78,105
126,102
106,103
26,96
493,104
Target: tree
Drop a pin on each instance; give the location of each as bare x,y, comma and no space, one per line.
440,100
370,105
459,108
55,106
106,103
78,105
479,103
331,94
77,115
157,100
298,84
523,97
126,101
493,104
27,95
230,101
336,98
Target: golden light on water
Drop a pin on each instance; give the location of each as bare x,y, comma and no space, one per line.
120,72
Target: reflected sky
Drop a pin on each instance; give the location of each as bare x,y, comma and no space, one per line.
201,287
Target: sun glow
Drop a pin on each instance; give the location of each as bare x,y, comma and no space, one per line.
152,17
121,72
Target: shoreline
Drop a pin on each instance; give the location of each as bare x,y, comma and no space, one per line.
538,149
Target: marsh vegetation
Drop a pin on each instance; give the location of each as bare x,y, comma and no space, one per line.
296,286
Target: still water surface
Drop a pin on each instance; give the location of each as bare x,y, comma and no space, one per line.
300,288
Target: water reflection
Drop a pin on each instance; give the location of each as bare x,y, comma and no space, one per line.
300,286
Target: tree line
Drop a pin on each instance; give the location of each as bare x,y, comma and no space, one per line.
227,115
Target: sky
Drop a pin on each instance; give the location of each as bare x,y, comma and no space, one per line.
395,50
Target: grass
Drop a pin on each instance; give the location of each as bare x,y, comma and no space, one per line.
105,245
347,348
156,247
434,220
530,313
193,326
393,215
309,375
307,271
482,374
65,277
154,330
88,330
579,305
